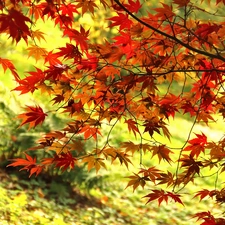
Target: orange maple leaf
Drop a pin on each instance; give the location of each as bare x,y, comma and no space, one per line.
165,12
162,152
132,126
28,164
36,52
38,34
135,181
86,6
34,116
7,64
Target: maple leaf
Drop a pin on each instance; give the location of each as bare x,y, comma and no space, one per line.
58,99
31,82
81,37
35,11
130,146
168,105
123,39
48,8
218,1
73,107
152,126
203,193
65,161
58,147
64,21
70,52
193,166
166,178
55,72
91,63
86,5
188,107
15,24
161,195
51,58
197,145
28,164
165,12
132,126
205,29
90,132
94,162
181,3
135,181
123,158
121,20
133,7
207,217
151,173
33,115
38,34
7,64
36,52
205,117
162,152
69,9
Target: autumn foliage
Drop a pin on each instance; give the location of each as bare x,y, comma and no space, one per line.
123,80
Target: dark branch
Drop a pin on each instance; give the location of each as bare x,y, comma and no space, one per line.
216,56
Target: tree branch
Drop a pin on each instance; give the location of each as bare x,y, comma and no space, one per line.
216,56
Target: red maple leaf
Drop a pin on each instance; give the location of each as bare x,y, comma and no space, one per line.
15,24
90,131
7,64
65,161
52,58
168,105
48,8
55,72
165,12
28,164
123,39
58,99
91,63
121,20
133,7
197,145
162,195
73,107
205,29
68,9
29,84
181,3
207,217
34,116
63,21
203,193
70,52
81,37
218,1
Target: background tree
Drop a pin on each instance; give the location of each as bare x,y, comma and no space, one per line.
158,64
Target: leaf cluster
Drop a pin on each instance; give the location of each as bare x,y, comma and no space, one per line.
98,85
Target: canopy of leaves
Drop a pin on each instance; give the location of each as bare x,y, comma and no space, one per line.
160,64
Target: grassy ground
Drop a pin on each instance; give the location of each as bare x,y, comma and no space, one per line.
51,201
42,202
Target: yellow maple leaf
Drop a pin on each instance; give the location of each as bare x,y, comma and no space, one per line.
36,52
